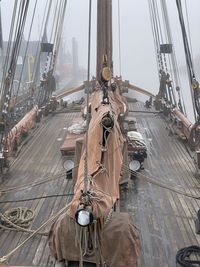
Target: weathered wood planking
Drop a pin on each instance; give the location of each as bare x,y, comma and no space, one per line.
165,219
39,158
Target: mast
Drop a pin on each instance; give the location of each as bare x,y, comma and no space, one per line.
104,34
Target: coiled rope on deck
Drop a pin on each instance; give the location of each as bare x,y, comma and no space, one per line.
18,219
19,216
4,259
182,256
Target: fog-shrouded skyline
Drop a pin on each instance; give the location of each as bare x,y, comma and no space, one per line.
138,60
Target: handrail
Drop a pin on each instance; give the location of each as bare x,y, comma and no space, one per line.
137,89
67,91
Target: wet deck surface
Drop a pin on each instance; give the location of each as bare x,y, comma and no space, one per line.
165,219
39,159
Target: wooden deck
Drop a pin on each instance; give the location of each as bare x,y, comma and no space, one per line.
40,158
165,219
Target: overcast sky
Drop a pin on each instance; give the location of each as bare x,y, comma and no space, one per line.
137,47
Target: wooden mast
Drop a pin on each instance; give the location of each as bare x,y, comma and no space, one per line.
104,34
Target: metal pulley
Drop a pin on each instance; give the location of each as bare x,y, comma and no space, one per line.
84,214
134,165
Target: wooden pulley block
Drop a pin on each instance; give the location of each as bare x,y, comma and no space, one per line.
106,74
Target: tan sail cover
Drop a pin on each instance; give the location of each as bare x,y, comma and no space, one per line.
103,167
23,126
119,241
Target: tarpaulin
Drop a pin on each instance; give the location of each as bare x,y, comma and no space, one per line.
104,167
120,243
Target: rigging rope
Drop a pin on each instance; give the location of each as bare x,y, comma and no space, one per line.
38,51
54,24
154,38
43,34
190,68
8,49
36,198
160,184
44,90
7,87
9,73
171,56
58,36
48,178
188,29
26,50
119,36
162,61
86,178
158,32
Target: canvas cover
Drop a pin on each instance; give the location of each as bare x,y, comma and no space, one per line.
103,167
120,243
23,126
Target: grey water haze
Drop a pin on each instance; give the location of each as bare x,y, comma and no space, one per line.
138,60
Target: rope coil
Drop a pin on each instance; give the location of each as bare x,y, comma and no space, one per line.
182,256
18,219
4,259
22,217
